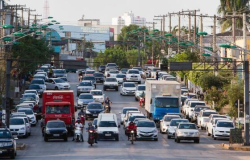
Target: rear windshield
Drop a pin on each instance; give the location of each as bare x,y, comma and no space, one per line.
169,118
146,124
198,109
85,96
85,84
16,121
59,80
198,103
207,114
176,122
225,124
133,72
56,125
90,72
95,106
141,88
129,85
37,82
5,134
125,110
59,71
98,75
132,118
113,71
26,111
120,76
107,124
111,80
187,126
96,93
89,78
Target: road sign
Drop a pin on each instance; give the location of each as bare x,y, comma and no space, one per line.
180,66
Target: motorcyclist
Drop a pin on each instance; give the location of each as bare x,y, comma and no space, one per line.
131,127
142,95
81,113
78,124
92,128
108,103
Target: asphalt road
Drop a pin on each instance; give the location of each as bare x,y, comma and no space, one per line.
163,149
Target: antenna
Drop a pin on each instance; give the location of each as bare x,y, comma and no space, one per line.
46,9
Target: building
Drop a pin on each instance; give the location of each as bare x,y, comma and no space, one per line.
129,18
88,22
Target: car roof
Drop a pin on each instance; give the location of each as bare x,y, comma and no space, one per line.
39,74
29,94
85,81
30,90
95,103
197,102
209,110
141,85
96,90
128,82
175,119
137,114
130,108
187,123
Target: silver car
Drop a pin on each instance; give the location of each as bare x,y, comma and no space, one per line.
84,87
173,125
187,131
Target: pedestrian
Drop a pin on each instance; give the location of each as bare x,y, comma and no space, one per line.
157,75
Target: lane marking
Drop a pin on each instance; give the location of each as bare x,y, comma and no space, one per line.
210,146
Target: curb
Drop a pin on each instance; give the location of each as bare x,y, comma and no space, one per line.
236,148
20,146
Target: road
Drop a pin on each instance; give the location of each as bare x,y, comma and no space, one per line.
163,149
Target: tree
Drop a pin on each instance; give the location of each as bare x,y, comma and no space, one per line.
207,81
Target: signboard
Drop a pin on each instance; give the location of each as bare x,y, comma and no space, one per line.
235,136
180,66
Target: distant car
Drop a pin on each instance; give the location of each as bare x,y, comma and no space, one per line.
124,70
164,123
102,68
90,78
26,119
89,72
196,112
32,91
40,76
176,114
113,73
18,126
173,125
147,129
44,73
55,129
30,114
128,88
121,78
133,75
59,73
111,65
125,109
8,143
187,131
93,110
139,89
99,77
110,83
94,123
57,84
84,87
222,129
203,118
184,91
140,70
211,125
84,99
98,95
29,95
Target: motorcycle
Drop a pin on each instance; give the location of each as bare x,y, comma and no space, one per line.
132,137
91,139
141,102
107,109
78,134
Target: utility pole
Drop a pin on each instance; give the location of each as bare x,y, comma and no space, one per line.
214,36
201,36
170,27
233,26
153,23
7,94
161,24
35,18
189,26
179,31
194,26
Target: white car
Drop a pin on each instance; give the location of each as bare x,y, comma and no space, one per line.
39,82
173,125
107,70
57,84
203,118
127,115
98,95
186,104
222,129
146,129
128,88
187,131
32,91
110,83
18,125
190,107
44,73
26,118
133,75
139,89
29,113
113,73
165,121
126,109
132,117
211,125
33,96
121,78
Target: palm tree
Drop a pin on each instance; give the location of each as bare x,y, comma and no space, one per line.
227,7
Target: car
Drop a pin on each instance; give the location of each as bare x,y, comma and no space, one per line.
133,75
190,107
176,114
128,88
140,71
64,78
150,79
44,73
165,121
44,68
196,112
98,95
132,117
99,77
173,125
111,65
59,73
110,83
39,76
24,105
26,118
18,126
32,91
57,84
84,87
55,129
125,109
211,124
212,116
169,78
8,143
84,99
37,88
185,105
90,78
184,91
136,120
94,123
93,109
146,129
30,114
124,70
187,131
128,114
102,68
89,72
113,73
29,96
222,129
107,126
139,89
203,118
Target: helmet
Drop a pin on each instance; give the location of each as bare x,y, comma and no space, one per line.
90,124
131,123
107,97
78,119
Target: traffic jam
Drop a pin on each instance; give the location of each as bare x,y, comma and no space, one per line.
165,106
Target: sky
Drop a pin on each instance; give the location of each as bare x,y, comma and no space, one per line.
69,11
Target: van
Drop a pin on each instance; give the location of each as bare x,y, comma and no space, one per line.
107,126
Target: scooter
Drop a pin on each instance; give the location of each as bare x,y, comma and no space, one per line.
141,102
91,139
132,137
78,134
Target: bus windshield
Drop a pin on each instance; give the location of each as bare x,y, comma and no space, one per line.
57,109
166,102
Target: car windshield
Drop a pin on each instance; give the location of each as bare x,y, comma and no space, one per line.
94,106
176,122
37,82
96,93
59,71
133,72
16,121
219,116
146,124
65,79
156,69
5,134
107,124
90,72
114,72
120,76
55,125
98,75
59,80
225,124
184,91
89,78
187,126
198,109
124,69
129,85
85,84
85,96
141,88
111,80
30,92
26,111
166,102
132,118
111,65
130,109
102,66
40,77
207,114
28,98
197,103
57,109
169,118
34,87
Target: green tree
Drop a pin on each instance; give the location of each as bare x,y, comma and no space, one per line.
207,81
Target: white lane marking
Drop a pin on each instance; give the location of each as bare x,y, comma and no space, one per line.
210,146
166,145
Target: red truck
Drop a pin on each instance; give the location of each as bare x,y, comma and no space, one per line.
59,105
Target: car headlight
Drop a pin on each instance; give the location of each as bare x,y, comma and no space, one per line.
155,131
47,131
22,128
179,132
65,131
7,144
87,112
196,133
124,90
216,130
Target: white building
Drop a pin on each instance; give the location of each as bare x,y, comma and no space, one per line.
129,18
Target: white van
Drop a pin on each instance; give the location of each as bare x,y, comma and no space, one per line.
107,126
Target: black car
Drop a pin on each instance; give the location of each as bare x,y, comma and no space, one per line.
102,68
99,77
93,109
55,129
7,143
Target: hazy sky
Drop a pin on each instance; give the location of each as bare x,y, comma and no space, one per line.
69,11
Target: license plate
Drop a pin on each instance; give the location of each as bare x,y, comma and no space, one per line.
107,134
94,114
224,134
56,135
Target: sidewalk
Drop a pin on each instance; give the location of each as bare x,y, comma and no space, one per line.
236,147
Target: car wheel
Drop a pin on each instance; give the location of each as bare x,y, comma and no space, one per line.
117,138
29,134
169,137
197,141
56,88
65,139
13,155
208,133
139,82
175,140
212,134
215,138
45,138
156,139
